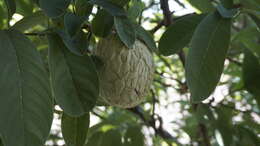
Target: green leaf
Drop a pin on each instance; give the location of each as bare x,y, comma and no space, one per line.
146,37
77,44
227,3
202,5
251,4
179,34
224,124
29,22
111,138
125,31
95,139
75,129
134,136
251,74
72,23
1,144
26,103
113,9
74,78
11,8
226,13
54,8
119,2
247,137
135,9
83,8
102,23
24,7
205,60
256,20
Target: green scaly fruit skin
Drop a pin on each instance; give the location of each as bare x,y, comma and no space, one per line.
127,74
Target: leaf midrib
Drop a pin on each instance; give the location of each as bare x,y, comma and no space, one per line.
9,39
208,46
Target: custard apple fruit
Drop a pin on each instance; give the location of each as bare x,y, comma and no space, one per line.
126,74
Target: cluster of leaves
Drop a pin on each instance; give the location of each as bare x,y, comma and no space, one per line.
45,60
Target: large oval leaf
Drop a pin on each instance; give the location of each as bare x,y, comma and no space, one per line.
179,34
54,8
206,56
125,31
75,129
74,78
251,74
83,8
202,5
102,23
25,98
77,44
72,23
146,37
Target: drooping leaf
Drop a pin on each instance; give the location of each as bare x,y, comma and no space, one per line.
125,30
83,8
113,9
77,44
75,129
146,37
202,5
74,78
72,23
11,8
135,9
102,23
28,22
179,34
25,97
251,74
256,20
54,8
205,60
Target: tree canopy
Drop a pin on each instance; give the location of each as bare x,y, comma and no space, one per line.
206,83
